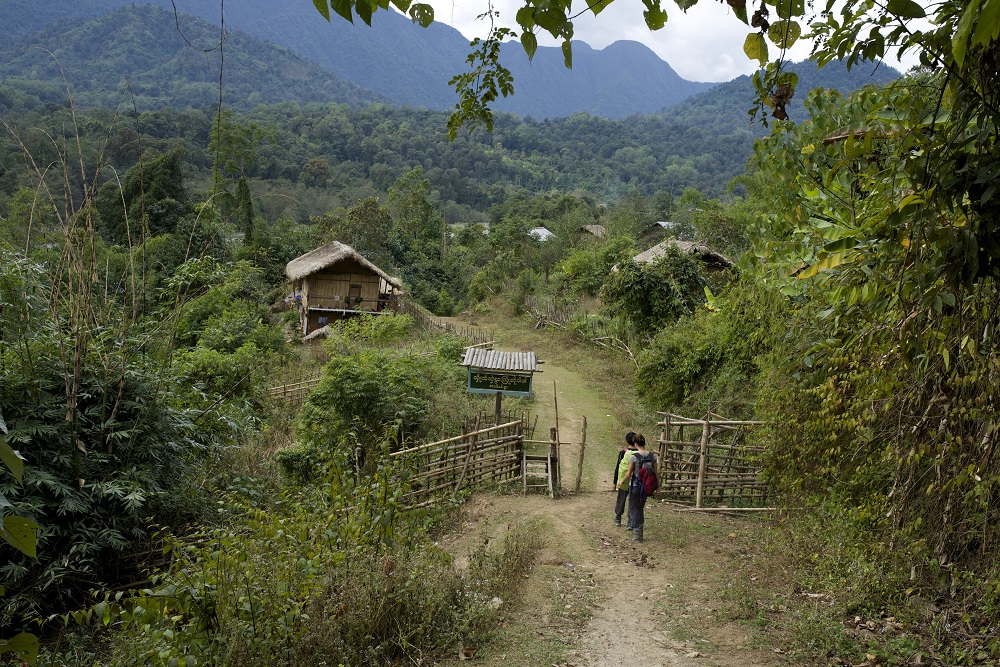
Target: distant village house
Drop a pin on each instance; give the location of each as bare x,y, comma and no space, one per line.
712,260
336,281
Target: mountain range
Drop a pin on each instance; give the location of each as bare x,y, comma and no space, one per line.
284,50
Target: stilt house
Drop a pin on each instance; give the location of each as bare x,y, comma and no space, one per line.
334,282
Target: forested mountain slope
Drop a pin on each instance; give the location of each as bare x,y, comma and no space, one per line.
162,62
724,108
412,65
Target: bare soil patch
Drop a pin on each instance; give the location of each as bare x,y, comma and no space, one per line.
595,596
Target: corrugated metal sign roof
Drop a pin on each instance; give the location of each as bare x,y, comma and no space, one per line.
497,360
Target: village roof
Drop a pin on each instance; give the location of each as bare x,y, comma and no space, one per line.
498,360
706,254
541,233
596,230
328,255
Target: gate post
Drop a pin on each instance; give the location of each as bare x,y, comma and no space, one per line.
703,459
554,458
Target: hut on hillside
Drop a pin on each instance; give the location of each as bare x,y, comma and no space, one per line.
336,281
595,230
541,234
655,232
712,260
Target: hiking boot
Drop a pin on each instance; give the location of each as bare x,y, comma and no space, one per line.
637,534
618,521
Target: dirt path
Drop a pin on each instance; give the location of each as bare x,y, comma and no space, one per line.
594,595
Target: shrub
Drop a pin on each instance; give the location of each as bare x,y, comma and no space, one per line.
91,481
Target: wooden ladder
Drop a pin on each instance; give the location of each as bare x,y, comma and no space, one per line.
537,467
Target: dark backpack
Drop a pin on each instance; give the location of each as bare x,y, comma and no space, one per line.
646,475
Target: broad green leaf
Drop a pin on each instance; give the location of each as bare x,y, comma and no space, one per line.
20,533
655,18
365,9
740,9
567,49
784,33
841,244
25,645
11,459
788,8
343,7
323,6
550,21
709,298
422,14
988,27
526,18
530,43
4,503
599,6
402,5
756,48
906,9
828,262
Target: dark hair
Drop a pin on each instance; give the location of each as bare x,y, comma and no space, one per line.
639,441
629,436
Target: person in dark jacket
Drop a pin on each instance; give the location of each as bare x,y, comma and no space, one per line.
620,467
636,496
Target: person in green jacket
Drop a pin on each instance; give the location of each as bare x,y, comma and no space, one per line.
621,481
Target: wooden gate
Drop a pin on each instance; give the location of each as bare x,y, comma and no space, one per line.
709,461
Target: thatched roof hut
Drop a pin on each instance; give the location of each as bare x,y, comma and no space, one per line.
597,230
709,257
328,256
336,281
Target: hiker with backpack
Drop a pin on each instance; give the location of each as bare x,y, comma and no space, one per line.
642,483
621,485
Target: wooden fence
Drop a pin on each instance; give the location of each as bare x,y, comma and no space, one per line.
426,321
293,391
479,457
713,464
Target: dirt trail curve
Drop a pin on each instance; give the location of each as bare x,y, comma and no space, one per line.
595,596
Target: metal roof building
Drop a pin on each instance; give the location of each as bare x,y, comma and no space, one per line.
497,360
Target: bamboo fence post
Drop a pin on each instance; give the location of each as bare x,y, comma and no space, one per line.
579,465
664,438
553,461
555,402
703,462
468,457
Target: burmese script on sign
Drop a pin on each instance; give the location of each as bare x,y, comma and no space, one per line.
500,382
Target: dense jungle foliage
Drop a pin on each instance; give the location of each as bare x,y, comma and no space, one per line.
140,258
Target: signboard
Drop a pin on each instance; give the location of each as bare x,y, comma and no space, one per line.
491,382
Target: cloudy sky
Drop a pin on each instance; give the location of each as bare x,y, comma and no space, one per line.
703,44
